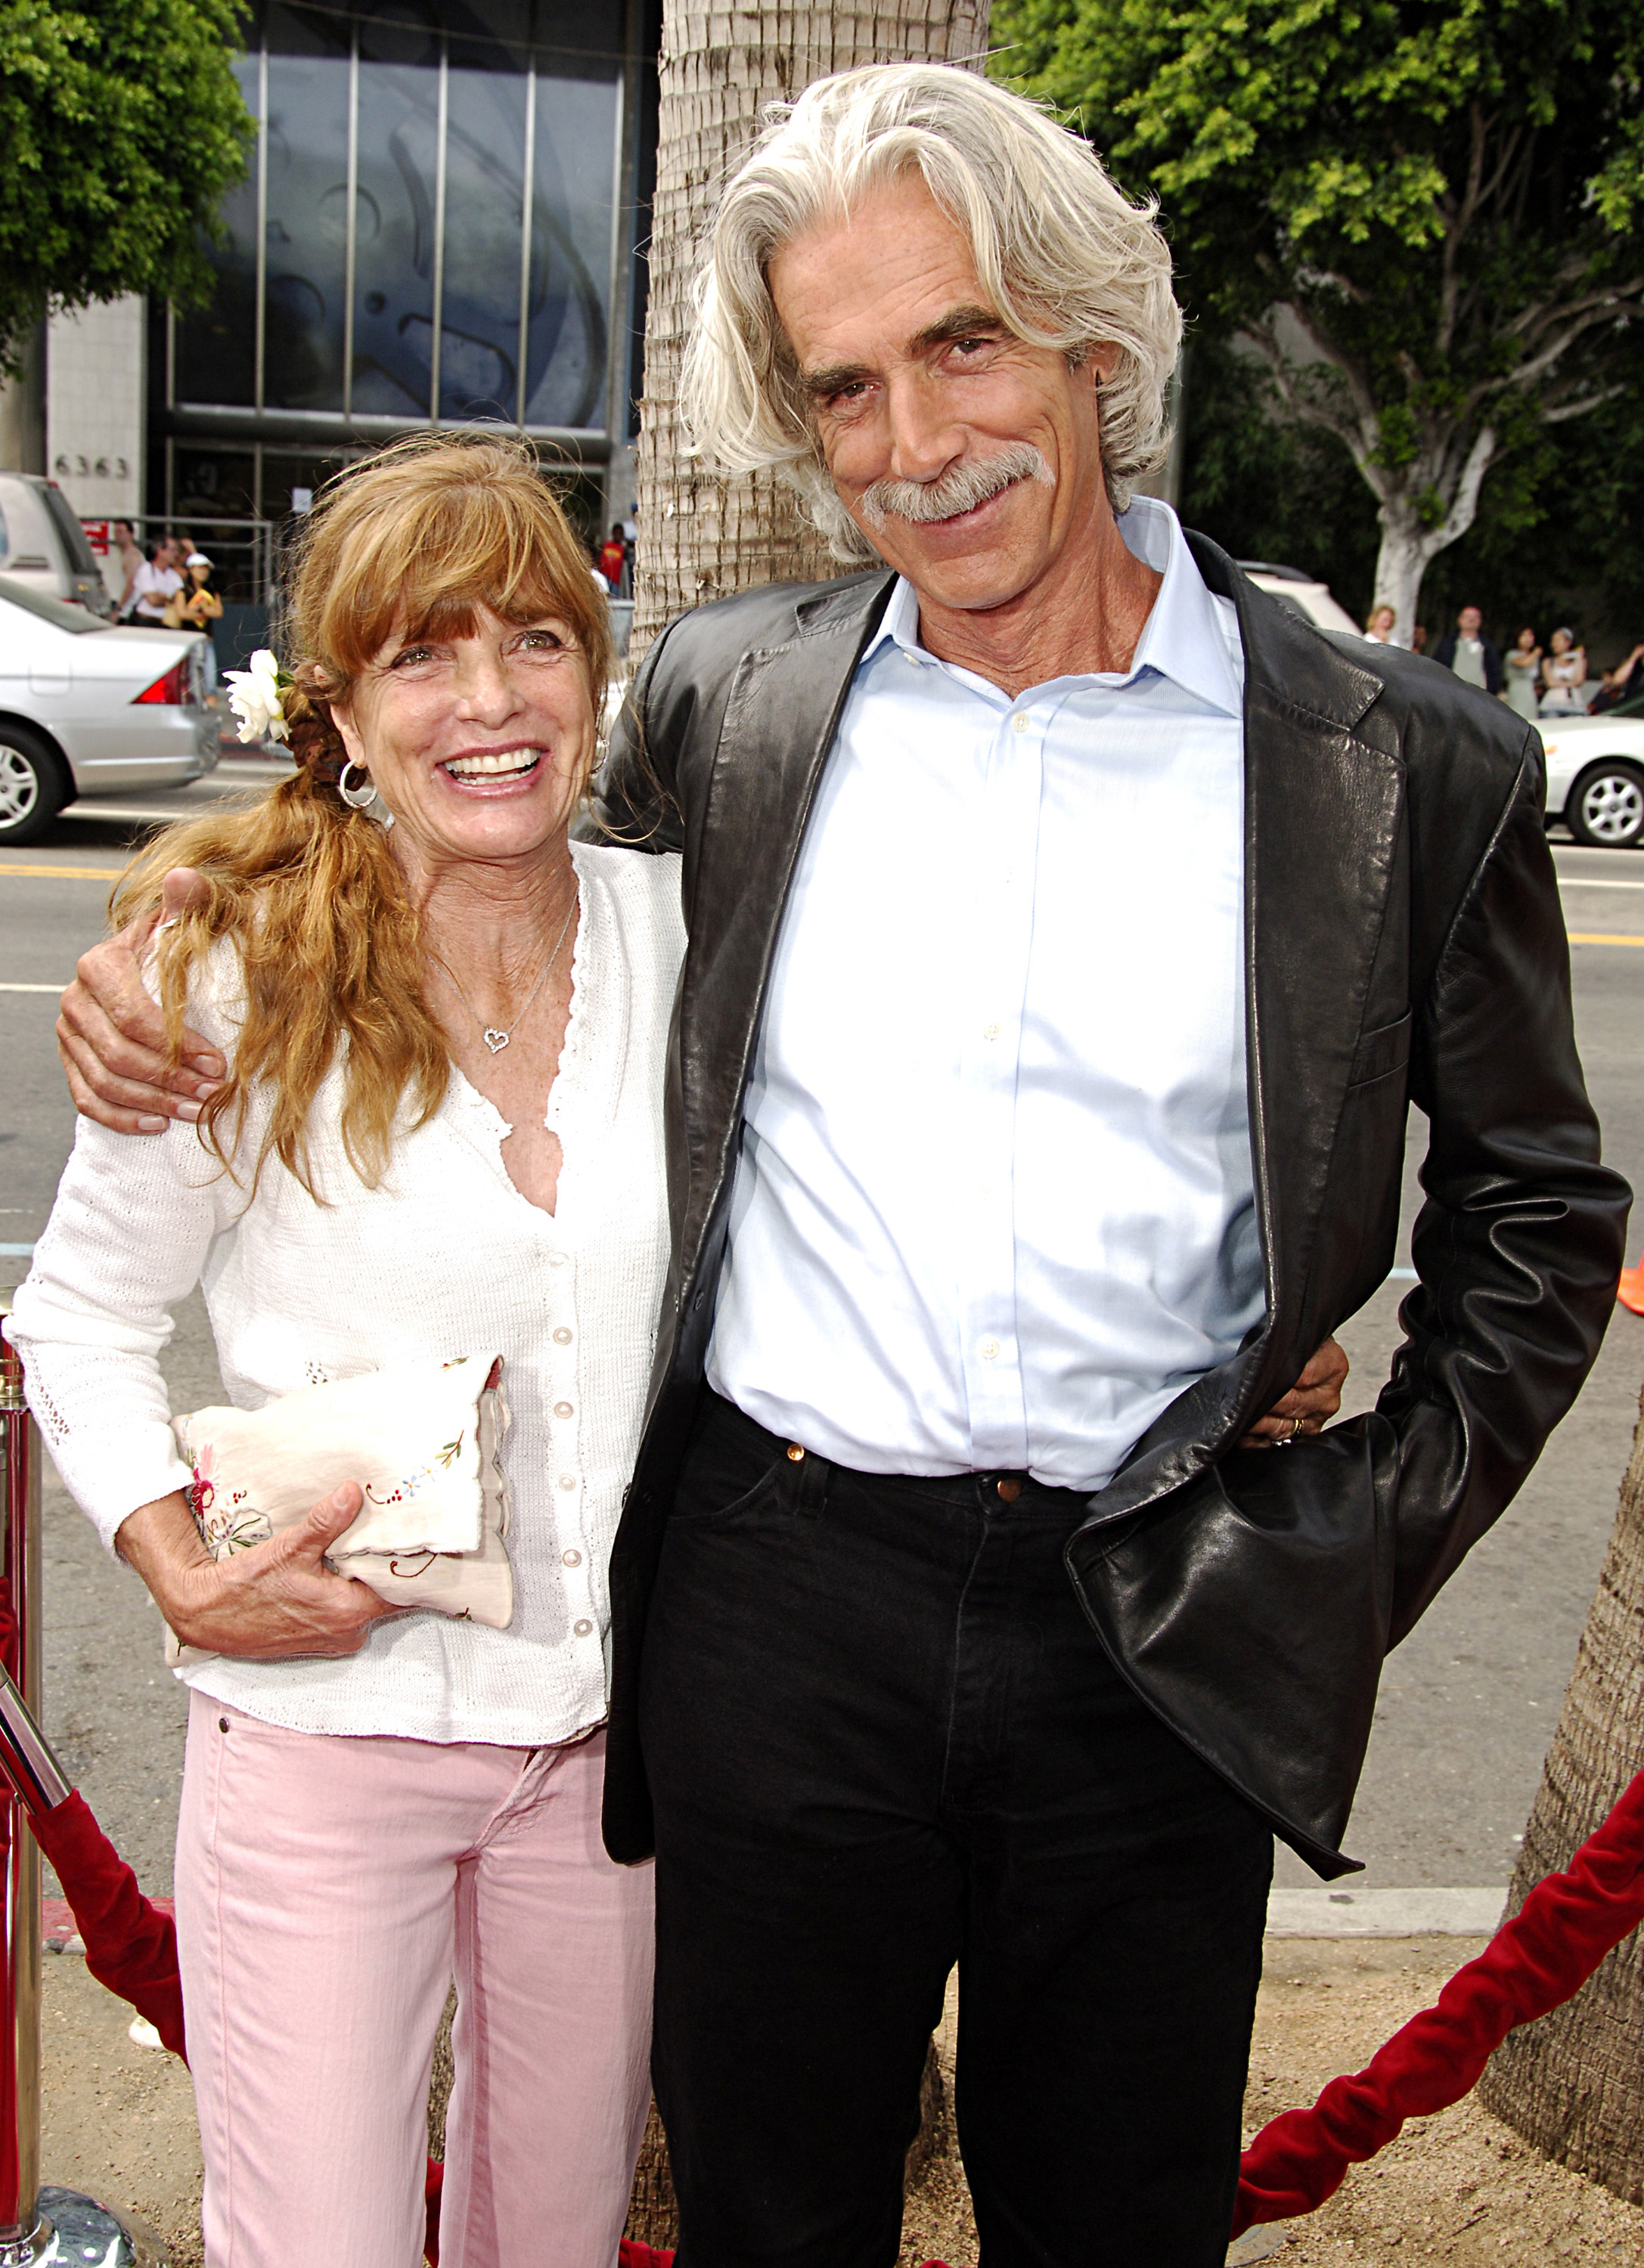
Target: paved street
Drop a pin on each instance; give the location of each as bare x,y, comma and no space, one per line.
1467,1704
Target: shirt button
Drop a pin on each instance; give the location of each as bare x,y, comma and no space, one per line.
568,1480
1018,722
562,1337
990,1031
990,1350
563,1409
571,1559
582,1628
556,1259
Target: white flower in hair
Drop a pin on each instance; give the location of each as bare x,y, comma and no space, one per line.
254,697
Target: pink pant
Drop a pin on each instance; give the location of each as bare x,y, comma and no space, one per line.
328,1892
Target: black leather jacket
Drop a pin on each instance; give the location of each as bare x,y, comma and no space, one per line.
1404,942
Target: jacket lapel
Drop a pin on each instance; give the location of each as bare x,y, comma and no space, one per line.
745,828
1322,809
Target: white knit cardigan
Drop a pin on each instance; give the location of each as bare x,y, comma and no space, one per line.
445,1257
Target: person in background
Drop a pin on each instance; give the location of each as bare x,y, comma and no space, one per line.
197,606
1419,638
613,558
155,584
1523,664
1381,624
601,580
130,554
1471,656
1618,683
1564,674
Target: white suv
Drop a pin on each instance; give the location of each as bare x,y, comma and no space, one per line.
43,546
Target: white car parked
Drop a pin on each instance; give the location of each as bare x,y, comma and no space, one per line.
1596,774
92,708
1302,595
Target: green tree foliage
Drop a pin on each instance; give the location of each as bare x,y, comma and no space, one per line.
120,128
1559,536
1424,213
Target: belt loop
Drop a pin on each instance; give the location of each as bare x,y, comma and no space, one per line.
807,1478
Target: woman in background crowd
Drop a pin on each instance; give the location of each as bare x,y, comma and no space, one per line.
198,606
1380,626
1564,674
1523,663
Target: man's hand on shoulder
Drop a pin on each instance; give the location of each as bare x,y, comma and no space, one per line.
111,1034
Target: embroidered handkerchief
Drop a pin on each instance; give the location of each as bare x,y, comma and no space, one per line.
422,1440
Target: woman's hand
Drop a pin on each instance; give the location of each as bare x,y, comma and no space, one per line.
1314,1399
278,1599
111,1035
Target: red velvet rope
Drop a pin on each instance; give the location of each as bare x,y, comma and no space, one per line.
130,1945
1541,1957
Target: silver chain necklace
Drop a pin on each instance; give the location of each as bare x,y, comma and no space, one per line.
496,1039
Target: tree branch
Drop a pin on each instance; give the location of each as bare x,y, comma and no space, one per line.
1450,273
1464,510
1310,411
1527,373
1561,413
1358,385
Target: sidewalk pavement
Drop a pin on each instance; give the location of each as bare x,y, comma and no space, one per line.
118,2121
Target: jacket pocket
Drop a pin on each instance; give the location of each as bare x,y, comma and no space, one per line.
1251,1609
1381,1051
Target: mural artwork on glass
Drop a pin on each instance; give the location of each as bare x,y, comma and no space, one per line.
465,237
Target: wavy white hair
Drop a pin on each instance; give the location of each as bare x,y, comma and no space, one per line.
1064,257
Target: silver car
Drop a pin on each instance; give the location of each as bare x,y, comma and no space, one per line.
92,708
43,544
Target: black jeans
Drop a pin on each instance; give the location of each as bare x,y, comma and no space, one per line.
882,1738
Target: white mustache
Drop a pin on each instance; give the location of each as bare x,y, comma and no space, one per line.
960,489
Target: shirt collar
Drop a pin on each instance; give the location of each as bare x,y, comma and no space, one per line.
1186,637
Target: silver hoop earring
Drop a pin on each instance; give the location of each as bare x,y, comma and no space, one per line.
353,797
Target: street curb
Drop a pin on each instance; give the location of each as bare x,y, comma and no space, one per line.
1384,1913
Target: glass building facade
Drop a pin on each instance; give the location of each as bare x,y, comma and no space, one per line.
439,224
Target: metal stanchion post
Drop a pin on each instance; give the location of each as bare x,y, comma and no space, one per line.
23,2234
54,2225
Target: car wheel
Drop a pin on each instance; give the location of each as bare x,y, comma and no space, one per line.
1605,807
31,785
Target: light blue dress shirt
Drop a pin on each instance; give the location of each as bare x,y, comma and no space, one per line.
993,1206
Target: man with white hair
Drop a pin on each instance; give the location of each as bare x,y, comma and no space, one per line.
1070,926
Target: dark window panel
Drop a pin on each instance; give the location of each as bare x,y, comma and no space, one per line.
479,348
571,222
216,345
308,226
393,257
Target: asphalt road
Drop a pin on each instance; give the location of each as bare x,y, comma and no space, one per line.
1468,1702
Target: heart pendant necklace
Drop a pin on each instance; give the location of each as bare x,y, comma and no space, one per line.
495,1038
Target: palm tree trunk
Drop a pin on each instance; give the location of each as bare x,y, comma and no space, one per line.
700,536
1573,2084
